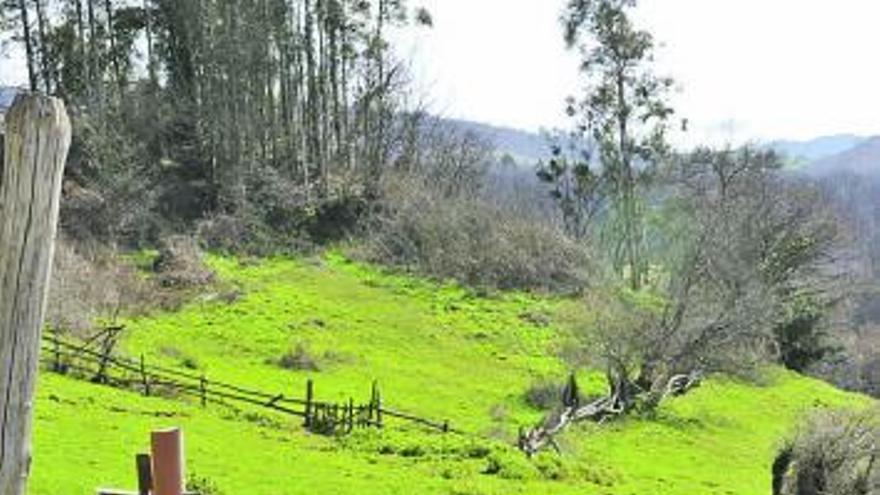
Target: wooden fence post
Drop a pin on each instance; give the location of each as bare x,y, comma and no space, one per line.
310,392
145,473
377,398
203,390
145,380
169,470
36,144
56,350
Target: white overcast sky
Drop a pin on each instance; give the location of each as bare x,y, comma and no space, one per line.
747,69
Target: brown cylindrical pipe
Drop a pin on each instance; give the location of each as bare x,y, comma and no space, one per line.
169,473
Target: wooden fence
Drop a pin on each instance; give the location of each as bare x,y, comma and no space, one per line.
94,360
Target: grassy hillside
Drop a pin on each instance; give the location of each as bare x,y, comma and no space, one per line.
438,351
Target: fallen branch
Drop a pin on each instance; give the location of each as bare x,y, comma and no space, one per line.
614,404
682,384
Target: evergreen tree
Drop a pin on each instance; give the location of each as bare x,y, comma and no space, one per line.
624,112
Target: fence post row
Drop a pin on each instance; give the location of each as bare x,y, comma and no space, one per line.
37,140
319,417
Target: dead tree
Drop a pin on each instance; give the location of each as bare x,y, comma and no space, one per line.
36,144
620,399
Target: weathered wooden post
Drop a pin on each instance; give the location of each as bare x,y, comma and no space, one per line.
144,465
145,380
203,390
169,471
163,471
377,403
310,395
36,144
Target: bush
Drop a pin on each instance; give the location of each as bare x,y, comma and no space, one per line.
834,454
544,395
465,237
299,358
202,485
180,263
802,337
279,216
89,284
224,233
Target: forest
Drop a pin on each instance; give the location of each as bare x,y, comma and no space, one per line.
220,146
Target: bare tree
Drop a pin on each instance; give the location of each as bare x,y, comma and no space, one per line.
740,240
735,242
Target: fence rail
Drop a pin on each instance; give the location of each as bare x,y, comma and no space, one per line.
95,360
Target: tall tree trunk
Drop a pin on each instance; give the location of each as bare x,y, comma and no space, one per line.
83,75
312,92
151,59
631,222
114,56
95,82
45,64
28,44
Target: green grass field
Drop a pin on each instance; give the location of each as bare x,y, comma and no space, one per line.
438,351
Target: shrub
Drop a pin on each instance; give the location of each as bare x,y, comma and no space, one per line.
299,358
834,454
180,263
467,238
802,336
509,465
202,485
89,284
183,359
278,215
224,233
544,395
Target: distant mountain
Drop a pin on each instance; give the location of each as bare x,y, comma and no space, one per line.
527,148
801,153
862,160
851,180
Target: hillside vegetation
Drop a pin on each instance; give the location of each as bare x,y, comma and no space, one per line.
439,351
370,245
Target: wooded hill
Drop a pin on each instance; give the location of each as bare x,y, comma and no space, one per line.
282,127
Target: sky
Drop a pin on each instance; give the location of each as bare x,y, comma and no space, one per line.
746,70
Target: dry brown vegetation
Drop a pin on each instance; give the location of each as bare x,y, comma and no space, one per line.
94,286
467,238
835,453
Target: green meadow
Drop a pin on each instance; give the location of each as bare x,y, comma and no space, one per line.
438,351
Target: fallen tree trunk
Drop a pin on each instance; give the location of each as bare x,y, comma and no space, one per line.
614,404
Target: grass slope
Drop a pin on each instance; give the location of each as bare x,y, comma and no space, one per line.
438,351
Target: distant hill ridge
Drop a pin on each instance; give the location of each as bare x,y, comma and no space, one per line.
527,148
862,159
805,152
821,155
